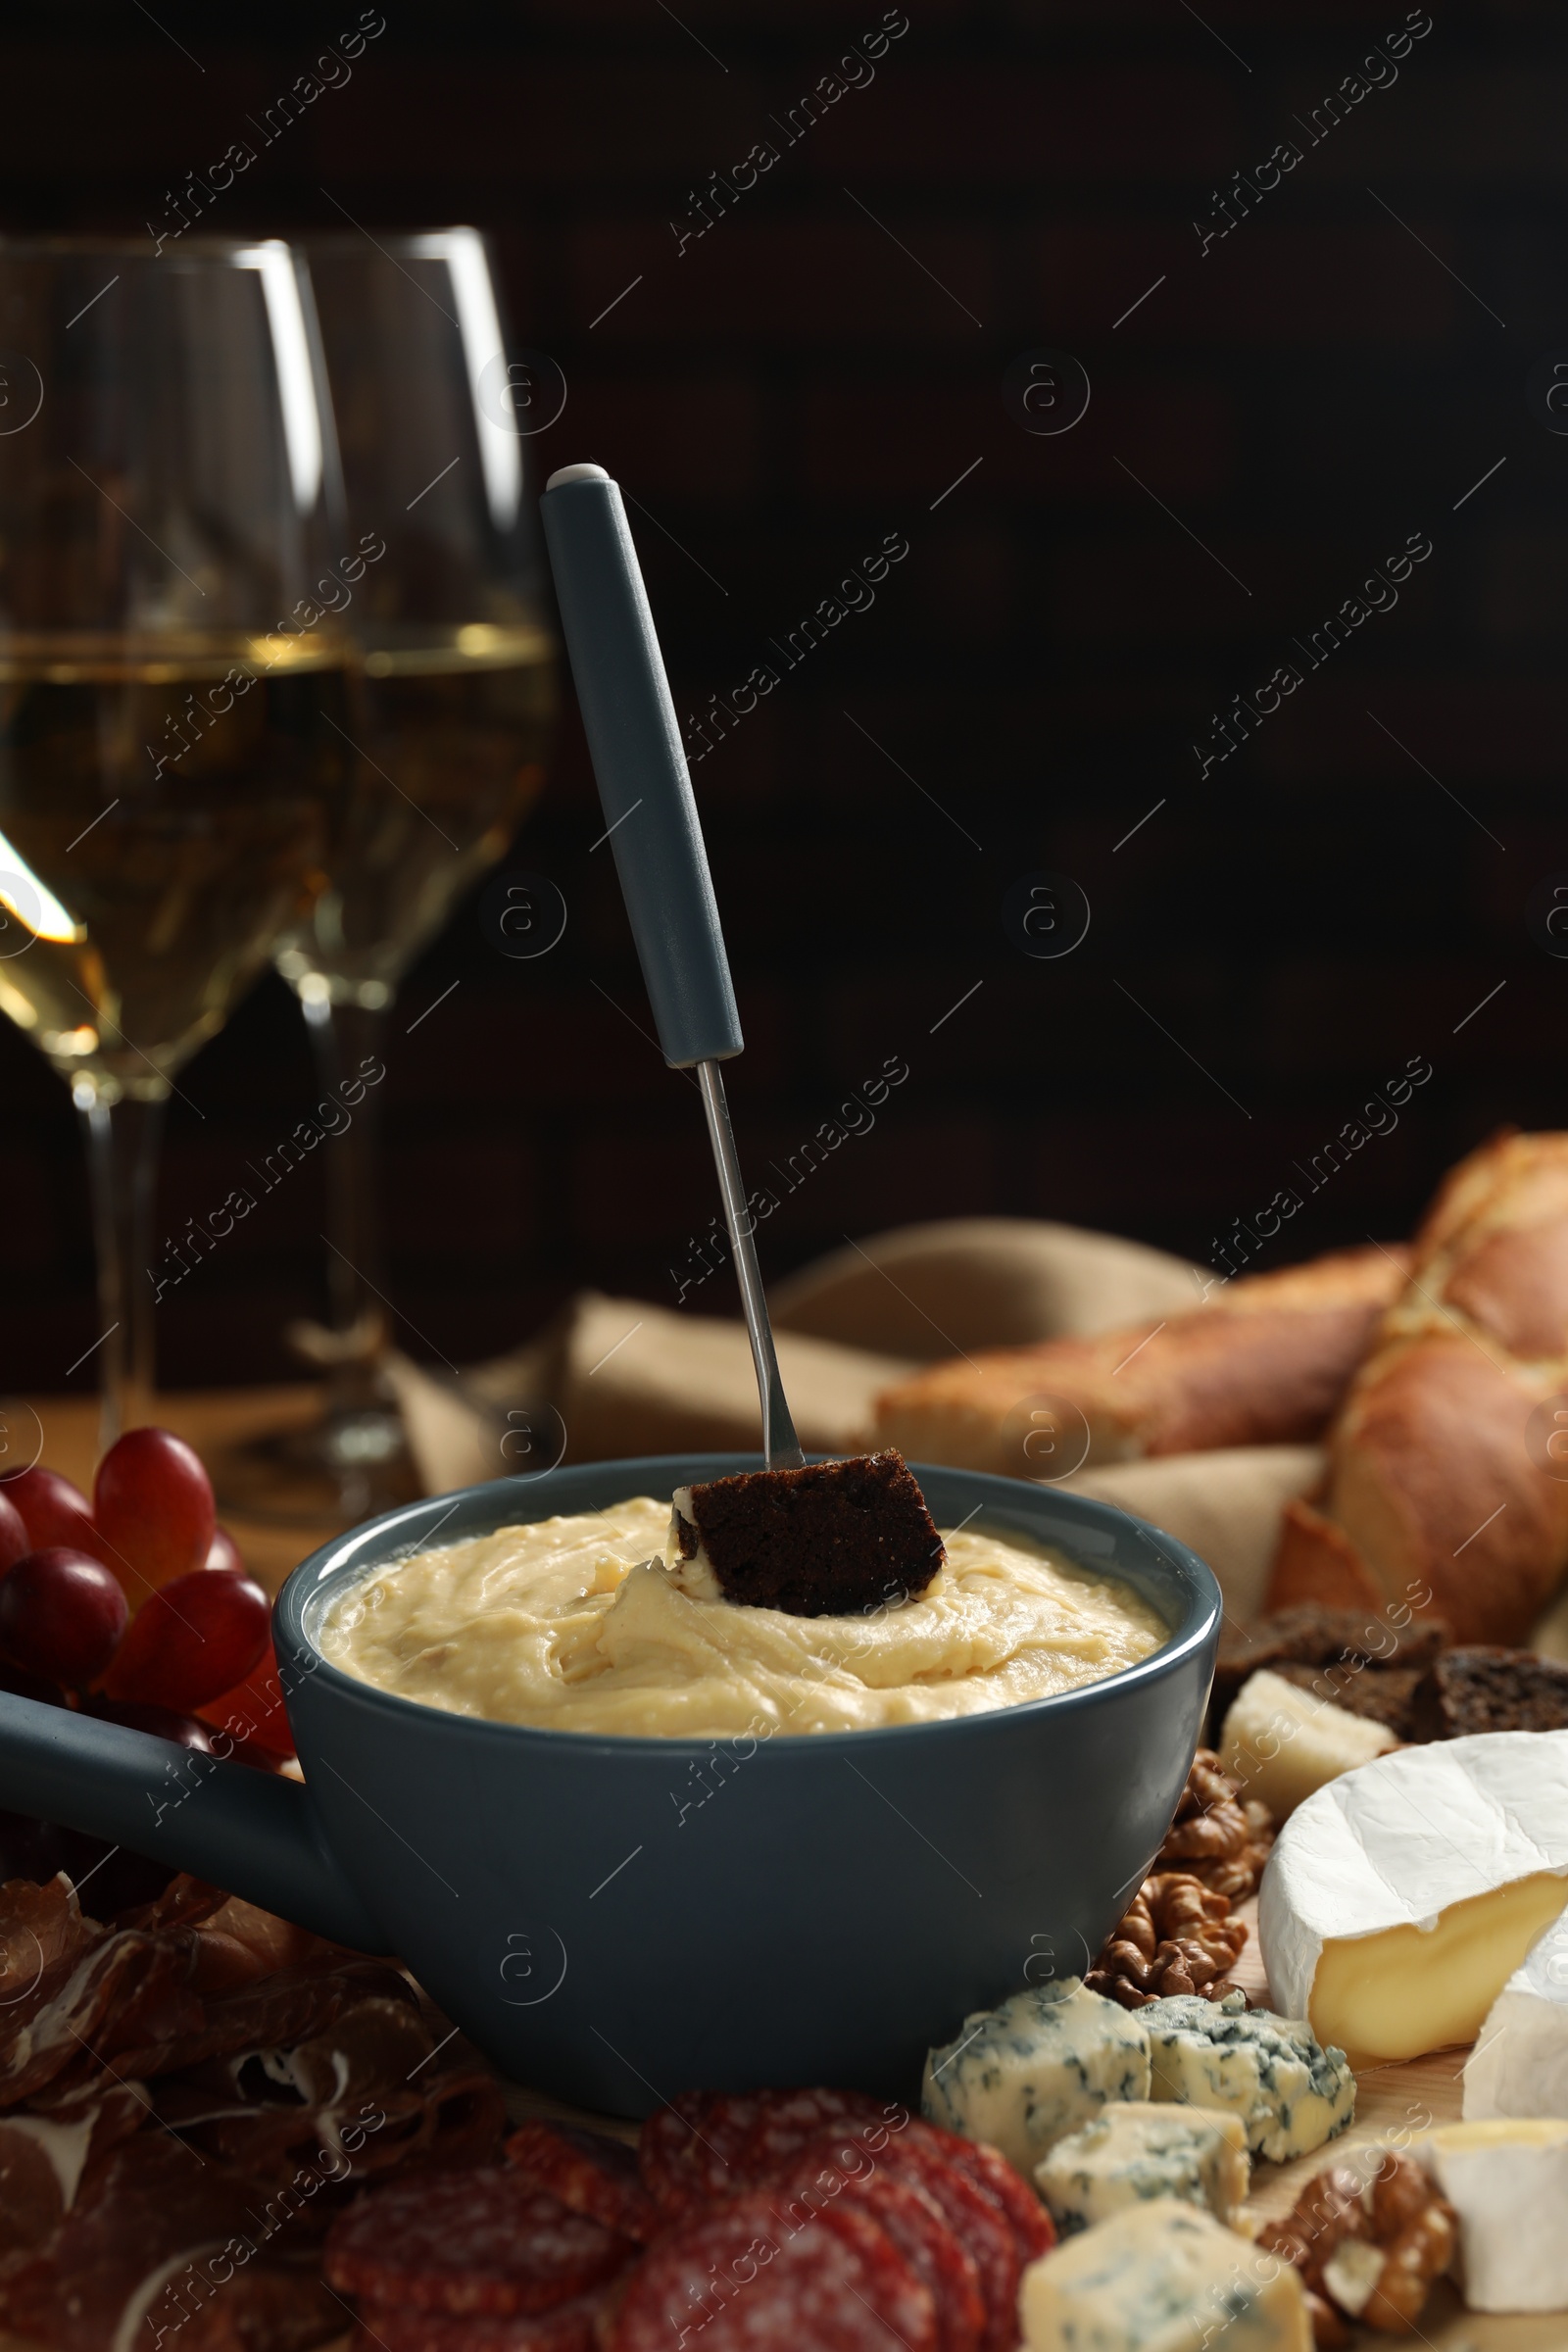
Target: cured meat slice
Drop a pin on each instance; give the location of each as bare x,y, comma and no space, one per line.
710,2143
159,2246
44,2157
471,2241
990,2171
688,2152
820,2175
976,2219
570,2328
740,2279
589,2172
270,2013
790,2119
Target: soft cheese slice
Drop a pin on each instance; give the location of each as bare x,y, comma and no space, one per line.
1284,1743
1519,2065
1399,1899
1507,2180
1291,2094
1162,2278
1026,2074
1137,2150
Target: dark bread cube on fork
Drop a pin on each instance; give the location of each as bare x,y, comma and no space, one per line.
831,1539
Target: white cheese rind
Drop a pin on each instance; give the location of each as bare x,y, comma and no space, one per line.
1136,2151
1162,2278
1507,2180
1290,2092
1519,2065
1026,2074
1399,1839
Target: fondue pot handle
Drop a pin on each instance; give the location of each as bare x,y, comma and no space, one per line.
254,1833
643,785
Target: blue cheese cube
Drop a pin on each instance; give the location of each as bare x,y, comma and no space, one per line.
1290,2094
1026,2074
1162,2278
1138,2150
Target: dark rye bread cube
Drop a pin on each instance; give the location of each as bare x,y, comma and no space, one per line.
834,1539
1384,1695
1489,1690
1311,1636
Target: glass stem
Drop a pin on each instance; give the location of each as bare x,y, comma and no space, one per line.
123,1139
346,1041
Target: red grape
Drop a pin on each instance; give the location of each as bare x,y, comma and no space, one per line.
165,1723
195,1636
225,1552
15,1541
53,1511
153,1503
61,1615
254,1709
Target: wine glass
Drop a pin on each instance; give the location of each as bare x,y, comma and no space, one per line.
172,688
454,700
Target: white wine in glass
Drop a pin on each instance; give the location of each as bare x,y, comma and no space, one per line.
174,678
454,706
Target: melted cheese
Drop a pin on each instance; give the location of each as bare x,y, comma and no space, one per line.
577,1624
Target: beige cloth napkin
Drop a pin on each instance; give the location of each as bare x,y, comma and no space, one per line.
621,1376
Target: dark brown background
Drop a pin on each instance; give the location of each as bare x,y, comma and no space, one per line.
1319,386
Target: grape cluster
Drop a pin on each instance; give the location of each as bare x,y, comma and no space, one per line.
136,1605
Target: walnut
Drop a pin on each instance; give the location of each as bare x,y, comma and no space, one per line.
1213,1835
1176,1935
1366,2253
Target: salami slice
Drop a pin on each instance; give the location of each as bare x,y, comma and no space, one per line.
739,2279
823,2175
791,2119
990,2169
713,2144
975,2219
393,2327
589,2172
477,2241
688,2151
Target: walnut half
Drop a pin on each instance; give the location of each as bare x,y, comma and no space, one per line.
1213,1835
1176,1935
1368,2252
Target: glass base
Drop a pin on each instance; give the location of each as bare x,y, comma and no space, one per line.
323,1473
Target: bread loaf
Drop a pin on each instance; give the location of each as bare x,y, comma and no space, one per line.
1439,1496
1264,1360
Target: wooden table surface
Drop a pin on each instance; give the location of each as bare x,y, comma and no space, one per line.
1395,2102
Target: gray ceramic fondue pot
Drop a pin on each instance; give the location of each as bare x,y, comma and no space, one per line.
615,1920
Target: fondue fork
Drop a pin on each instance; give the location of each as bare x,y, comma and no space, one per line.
654,829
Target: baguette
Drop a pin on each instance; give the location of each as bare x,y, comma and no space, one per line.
1265,1361
1435,1497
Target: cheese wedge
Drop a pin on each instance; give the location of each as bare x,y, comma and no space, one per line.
1507,2180
1519,2065
1024,2074
1137,2150
1400,1898
1284,1743
1290,2094
1162,2278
